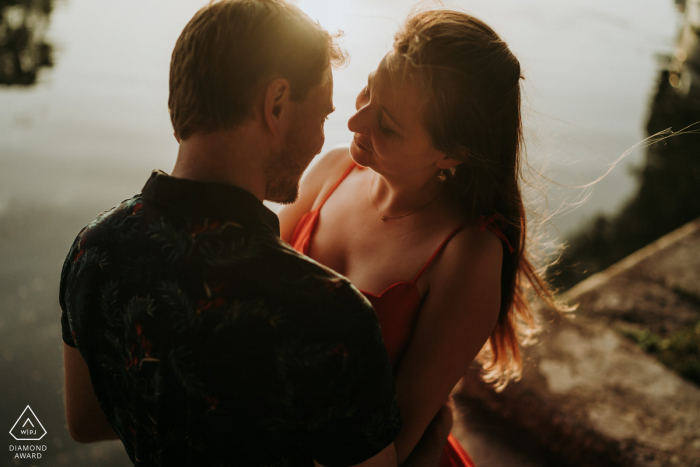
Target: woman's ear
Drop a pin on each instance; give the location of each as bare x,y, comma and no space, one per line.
456,156
276,105
448,163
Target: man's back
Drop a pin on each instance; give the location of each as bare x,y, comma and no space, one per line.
211,342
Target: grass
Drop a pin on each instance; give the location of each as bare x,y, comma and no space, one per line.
680,351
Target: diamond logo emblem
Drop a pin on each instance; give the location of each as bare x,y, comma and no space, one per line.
28,427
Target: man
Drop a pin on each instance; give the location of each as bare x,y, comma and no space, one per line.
192,332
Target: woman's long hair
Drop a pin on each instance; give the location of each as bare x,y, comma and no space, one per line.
471,108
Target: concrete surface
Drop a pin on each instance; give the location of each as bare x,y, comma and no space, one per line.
590,396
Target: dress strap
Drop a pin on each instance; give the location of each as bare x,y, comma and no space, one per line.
439,249
488,222
485,222
340,180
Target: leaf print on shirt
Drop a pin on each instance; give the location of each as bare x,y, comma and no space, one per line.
136,206
380,424
213,299
179,243
224,253
109,294
100,217
90,257
250,310
179,305
180,360
138,306
213,226
230,250
175,243
139,269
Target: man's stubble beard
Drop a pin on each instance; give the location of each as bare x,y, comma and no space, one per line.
284,172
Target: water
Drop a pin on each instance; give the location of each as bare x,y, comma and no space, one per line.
87,134
589,66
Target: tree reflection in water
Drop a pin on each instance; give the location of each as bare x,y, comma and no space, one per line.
23,48
669,183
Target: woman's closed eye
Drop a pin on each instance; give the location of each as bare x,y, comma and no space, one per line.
384,128
364,95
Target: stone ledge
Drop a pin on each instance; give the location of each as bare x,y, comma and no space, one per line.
592,396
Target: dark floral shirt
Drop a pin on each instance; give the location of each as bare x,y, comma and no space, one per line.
211,342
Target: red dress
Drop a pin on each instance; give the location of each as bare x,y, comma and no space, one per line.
396,307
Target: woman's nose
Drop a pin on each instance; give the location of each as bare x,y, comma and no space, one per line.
358,122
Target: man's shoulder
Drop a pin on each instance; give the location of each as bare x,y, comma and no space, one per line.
313,282
101,244
111,220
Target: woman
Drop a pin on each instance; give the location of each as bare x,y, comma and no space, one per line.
423,212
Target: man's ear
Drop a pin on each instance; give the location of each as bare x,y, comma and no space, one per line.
276,105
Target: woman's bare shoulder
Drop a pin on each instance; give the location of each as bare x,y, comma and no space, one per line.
323,173
316,182
472,255
467,275
480,247
339,155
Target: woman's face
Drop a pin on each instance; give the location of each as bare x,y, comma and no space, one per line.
389,135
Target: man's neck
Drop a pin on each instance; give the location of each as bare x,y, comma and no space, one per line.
233,157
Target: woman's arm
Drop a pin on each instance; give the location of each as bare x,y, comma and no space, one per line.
315,182
456,319
429,449
86,421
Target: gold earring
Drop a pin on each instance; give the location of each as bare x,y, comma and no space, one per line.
441,176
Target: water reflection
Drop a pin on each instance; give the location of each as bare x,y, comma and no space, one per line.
23,48
684,68
669,182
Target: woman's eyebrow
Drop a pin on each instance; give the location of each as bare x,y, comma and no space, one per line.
381,106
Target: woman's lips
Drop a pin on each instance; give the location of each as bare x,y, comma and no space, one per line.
364,147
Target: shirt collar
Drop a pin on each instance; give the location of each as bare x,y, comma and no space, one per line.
219,201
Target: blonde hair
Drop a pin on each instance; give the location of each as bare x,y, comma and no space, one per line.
227,51
471,109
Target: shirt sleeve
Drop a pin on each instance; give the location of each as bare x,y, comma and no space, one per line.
66,332
361,414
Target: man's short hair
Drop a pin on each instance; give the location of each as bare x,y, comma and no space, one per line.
230,49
